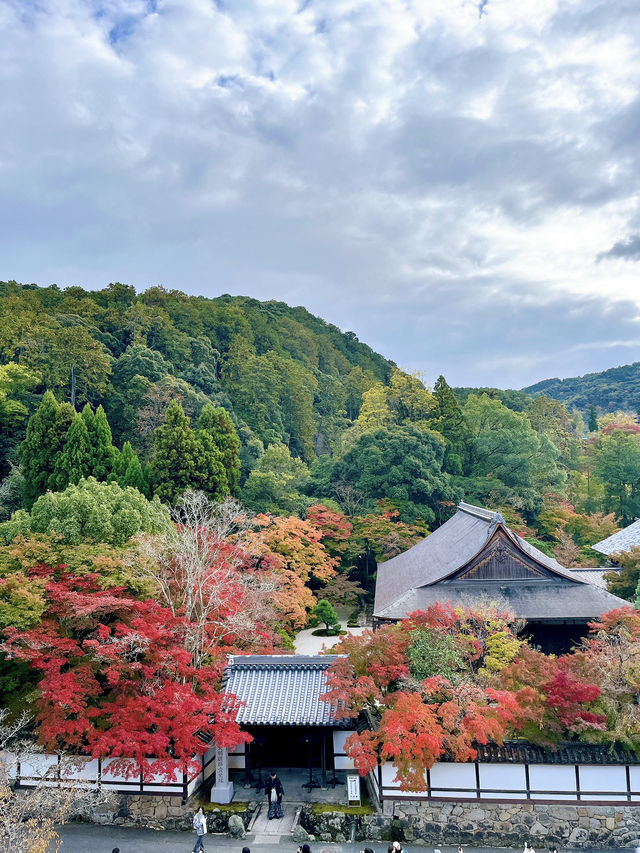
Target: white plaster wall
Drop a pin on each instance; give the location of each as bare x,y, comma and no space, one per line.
452,775
610,783
552,777
503,781
341,762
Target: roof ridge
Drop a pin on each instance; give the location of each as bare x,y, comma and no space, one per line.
481,512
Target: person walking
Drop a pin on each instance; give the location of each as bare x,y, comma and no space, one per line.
200,826
275,792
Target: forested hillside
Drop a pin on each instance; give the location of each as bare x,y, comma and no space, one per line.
161,392
617,388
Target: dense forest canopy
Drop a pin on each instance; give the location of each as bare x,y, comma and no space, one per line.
161,391
616,388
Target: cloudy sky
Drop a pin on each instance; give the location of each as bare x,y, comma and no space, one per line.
457,182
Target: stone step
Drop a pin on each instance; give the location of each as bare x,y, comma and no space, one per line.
262,826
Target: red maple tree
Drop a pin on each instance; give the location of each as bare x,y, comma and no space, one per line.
118,680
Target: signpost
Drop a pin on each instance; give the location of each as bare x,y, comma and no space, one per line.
353,790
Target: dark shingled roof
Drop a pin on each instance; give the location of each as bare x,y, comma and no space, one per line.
280,690
427,573
623,540
521,752
533,600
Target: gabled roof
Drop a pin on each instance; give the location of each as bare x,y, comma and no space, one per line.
448,549
281,690
443,568
623,540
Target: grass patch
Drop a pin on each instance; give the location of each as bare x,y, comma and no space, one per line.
324,808
231,808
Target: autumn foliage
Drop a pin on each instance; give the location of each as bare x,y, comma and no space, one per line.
118,680
497,687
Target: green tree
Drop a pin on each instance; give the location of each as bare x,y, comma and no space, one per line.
435,653
184,459
89,511
551,418
73,463
16,383
217,422
617,465
46,433
508,449
408,398
127,469
593,419
375,412
325,613
403,464
100,442
356,383
102,445
276,483
449,421
69,357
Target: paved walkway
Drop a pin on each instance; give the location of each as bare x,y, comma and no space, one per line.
82,838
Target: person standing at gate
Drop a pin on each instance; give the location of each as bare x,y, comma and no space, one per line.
275,792
200,826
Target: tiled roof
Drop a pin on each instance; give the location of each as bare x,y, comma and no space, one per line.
447,549
595,576
536,600
280,690
521,752
623,540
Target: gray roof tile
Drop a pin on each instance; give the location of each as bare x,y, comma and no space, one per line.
531,600
623,540
280,690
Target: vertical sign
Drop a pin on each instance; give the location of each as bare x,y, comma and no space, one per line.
353,789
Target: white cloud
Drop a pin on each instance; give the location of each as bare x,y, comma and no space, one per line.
355,156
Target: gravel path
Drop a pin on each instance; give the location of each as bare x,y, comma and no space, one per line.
306,644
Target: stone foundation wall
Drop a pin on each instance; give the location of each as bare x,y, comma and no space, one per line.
164,812
485,824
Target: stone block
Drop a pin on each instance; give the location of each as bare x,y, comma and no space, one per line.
578,835
236,827
476,814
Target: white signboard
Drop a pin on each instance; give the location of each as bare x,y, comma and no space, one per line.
353,789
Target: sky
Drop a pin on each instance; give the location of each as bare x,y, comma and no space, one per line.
457,182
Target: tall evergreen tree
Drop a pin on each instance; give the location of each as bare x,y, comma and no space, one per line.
74,462
449,421
593,419
184,459
128,470
217,422
102,442
46,433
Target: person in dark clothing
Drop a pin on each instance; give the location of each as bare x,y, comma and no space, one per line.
275,792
